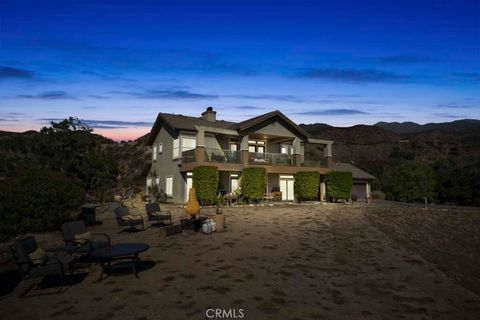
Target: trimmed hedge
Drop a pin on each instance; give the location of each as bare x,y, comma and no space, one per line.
253,183
339,185
36,201
307,185
205,182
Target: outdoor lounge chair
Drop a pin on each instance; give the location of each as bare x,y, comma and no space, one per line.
125,219
24,248
73,232
155,214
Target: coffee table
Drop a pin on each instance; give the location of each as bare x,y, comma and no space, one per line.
121,251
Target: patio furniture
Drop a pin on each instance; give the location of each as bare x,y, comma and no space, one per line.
155,214
125,219
88,215
122,251
33,262
80,240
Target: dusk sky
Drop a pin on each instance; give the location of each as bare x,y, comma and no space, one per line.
117,63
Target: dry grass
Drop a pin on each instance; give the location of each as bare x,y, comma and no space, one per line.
287,262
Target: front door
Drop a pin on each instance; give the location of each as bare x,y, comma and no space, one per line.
286,187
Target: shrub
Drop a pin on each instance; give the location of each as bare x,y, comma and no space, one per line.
410,181
378,195
37,201
307,185
339,185
205,182
254,182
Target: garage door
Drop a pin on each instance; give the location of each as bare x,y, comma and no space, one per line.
359,190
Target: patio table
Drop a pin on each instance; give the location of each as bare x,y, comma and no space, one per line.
121,251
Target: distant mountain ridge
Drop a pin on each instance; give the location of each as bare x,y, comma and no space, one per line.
412,127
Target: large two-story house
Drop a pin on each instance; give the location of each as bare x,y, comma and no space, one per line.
180,143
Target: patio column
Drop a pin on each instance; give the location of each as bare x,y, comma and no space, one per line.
327,154
297,152
323,190
200,148
244,150
367,192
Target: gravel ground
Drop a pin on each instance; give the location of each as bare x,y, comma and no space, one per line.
319,261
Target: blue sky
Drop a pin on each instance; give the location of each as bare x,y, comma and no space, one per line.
116,64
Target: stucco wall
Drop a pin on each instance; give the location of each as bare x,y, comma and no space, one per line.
164,166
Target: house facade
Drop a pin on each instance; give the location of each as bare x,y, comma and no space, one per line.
180,143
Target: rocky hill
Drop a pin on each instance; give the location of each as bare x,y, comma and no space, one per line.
377,148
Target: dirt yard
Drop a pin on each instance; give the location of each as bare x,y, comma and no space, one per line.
281,262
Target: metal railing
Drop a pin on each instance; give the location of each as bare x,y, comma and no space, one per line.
188,156
278,159
222,155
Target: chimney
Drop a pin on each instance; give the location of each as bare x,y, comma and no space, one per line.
210,115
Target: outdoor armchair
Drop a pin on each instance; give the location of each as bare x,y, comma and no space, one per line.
75,235
125,219
155,214
33,265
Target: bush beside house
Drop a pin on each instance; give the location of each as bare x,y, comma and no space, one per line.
205,182
339,185
253,183
307,185
36,201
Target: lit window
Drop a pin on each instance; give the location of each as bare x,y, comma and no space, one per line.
169,186
188,143
154,153
149,182
176,148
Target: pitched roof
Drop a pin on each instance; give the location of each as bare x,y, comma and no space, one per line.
181,122
244,125
356,172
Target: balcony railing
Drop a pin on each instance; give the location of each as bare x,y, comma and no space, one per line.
188,156
255,158
278,159
222,155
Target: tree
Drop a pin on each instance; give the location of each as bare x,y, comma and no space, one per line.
410,181
37,200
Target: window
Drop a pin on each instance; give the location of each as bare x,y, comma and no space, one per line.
188,143
169,186
286,149
176,148
154,153
160,148
149,182
233,182
256,146
157,181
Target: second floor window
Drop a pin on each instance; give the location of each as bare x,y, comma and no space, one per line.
160,148
188,143
154,153
176,148
257,146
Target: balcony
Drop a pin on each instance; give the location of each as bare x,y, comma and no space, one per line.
213,155
222,156
276,159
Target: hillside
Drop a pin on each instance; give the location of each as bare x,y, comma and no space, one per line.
377,148
373,148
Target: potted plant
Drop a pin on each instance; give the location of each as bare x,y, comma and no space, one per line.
219,217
